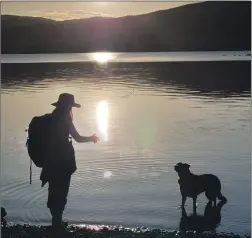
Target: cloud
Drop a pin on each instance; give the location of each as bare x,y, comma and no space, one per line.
68,15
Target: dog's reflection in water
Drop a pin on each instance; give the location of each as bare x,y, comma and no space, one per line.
209,222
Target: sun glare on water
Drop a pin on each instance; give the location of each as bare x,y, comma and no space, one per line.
102,119
103,57
107,174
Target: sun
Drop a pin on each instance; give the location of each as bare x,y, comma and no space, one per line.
103,57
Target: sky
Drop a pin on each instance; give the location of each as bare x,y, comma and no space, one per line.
75,10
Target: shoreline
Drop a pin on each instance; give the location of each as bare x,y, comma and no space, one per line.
125,57
32,231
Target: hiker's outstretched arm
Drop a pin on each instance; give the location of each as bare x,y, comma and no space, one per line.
82,139
77,137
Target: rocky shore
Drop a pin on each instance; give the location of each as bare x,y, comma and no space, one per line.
27,231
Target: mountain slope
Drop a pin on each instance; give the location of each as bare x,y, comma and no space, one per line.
200,26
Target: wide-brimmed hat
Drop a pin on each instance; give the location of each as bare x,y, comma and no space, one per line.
66,99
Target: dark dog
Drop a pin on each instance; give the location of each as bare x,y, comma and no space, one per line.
192,185
208,222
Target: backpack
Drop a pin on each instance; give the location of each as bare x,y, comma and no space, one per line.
39,139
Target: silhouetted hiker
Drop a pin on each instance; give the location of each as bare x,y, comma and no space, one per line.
50,149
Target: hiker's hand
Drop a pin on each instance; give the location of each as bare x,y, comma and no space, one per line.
95,138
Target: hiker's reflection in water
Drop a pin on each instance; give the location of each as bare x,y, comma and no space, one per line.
208,222
61,164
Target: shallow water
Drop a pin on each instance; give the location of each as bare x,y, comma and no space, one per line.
149,116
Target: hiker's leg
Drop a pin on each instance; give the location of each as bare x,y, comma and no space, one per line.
57,197
52,200
65,184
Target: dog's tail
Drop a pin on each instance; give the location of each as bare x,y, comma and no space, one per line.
221,197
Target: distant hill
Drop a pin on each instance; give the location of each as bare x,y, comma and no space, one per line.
194,27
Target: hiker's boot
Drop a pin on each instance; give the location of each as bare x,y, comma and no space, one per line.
59,229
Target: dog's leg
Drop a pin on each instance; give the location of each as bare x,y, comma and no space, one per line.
194,205
184,214
183,201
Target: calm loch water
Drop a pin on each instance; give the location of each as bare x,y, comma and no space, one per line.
149,117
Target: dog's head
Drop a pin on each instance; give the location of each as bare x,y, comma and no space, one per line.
182,168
